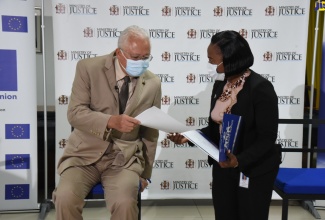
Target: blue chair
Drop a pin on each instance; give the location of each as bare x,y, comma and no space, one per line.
304,184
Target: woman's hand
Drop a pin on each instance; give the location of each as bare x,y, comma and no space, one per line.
231,162
177,138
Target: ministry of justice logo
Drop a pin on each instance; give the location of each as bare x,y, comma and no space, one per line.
186,57
243,33
60,8
63,143
185,145
187,12
161,34
267,56
165,100
163,164
108,32
166,11
180,57
287,142
289,100
288,56
189,164
80,55
129,10
239,12
269,11
63,100
165,143
264,34
164,185
217,11
205,78
291,11
191,34
282,56
78,9
208,33
285,11
186,100
114,10
166,78
203,164
62,55
190,121
185,185
88,32
190,78
203,121
165,56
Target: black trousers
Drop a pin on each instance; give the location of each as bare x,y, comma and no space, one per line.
232,202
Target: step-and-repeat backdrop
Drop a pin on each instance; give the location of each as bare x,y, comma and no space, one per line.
18,113
180,33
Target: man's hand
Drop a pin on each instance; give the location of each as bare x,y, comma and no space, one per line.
122,123
231,162
143,184
177,138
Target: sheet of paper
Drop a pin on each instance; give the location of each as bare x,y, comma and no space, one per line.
156,118
203,143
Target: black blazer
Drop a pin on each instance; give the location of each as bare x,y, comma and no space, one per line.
257,103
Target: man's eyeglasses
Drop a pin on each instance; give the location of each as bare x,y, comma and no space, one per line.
145,58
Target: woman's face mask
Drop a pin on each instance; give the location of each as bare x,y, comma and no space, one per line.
212,70
136,68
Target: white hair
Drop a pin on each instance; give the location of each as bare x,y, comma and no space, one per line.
131,31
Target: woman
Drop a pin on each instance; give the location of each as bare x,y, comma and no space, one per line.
242,185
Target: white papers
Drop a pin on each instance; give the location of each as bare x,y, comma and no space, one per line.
157,119
202,142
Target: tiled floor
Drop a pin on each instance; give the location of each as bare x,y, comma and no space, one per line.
171,210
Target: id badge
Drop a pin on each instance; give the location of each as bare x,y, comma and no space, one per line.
243,181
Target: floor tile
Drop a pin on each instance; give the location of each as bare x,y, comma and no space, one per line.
171,210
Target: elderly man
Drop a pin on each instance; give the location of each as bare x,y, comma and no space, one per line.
108,144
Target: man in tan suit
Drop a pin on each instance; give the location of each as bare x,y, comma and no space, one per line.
107,145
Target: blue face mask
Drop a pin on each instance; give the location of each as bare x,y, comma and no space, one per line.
136,68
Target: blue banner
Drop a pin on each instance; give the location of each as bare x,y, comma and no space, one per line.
8,70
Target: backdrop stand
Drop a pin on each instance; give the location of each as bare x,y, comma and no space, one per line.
46,205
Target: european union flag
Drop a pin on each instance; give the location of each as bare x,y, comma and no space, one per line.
17,131
14,23
17,161
8,70
16,191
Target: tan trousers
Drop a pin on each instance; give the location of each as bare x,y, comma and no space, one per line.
120,187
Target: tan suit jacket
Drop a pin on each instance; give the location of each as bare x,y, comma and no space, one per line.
93,100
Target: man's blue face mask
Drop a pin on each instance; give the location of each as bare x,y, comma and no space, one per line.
136,68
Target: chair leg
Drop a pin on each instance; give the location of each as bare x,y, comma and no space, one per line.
139,205
285,204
